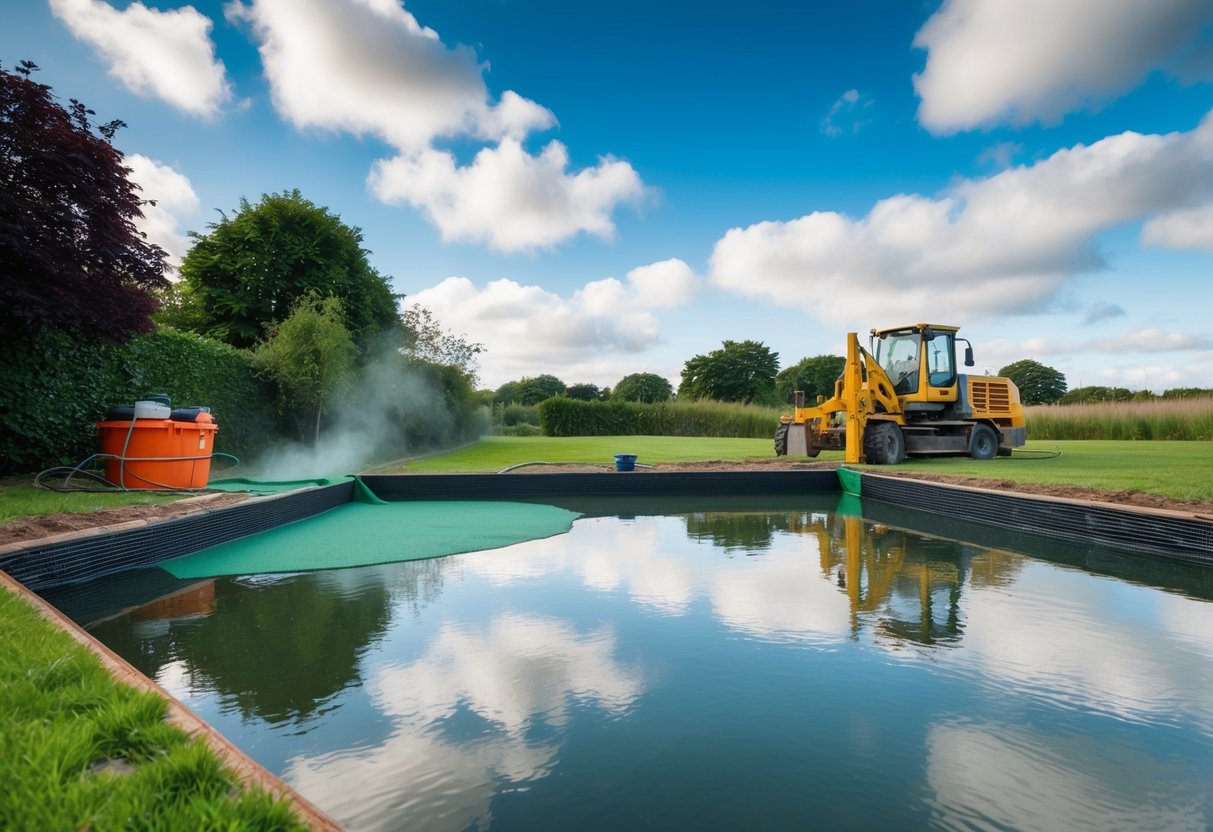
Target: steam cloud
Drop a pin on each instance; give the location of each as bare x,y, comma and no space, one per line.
391,411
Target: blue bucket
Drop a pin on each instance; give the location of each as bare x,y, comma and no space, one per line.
625,462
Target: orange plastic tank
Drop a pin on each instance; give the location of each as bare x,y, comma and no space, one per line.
158,453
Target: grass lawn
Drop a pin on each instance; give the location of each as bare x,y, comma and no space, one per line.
18,498
492,453
83,751
1179,470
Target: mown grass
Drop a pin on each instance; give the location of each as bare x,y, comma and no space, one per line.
79,750
18,498
493,453
1174,419
1179,470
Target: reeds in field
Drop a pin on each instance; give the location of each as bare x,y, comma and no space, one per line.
1185,419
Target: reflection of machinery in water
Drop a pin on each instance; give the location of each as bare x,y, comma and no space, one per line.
909,584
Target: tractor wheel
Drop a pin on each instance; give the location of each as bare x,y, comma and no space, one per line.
883,443
781,440
983,442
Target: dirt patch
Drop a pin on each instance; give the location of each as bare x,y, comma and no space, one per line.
34,528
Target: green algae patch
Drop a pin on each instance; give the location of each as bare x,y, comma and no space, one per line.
363,534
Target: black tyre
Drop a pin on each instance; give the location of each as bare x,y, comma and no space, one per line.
883,443
781,440
983,442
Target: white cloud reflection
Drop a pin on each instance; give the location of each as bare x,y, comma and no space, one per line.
1080,640
1010,777
781,595
515,676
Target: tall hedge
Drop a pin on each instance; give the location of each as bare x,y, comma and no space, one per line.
570,417
55,386
197,371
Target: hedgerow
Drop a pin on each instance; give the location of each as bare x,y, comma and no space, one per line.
56,385
570,417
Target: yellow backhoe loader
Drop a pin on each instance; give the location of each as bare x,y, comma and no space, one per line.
905,396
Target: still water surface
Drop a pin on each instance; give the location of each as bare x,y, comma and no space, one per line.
795,668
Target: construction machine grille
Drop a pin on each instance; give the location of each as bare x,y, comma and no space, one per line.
990,395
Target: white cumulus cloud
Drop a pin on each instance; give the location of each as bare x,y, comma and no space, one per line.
368,67
1134,342
174,200
1151,340
506,197
1186,228
1003,244
165,54
594,335
991,61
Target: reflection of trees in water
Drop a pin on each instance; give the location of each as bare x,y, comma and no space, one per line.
750,532
910,585
276,647
418,583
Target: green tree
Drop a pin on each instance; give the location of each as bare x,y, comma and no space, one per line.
530,390
508,393
643,387
740,371
71,258
1096,393
815,376
537,389
586,392
250,270
1037,383
310,355
425,339
1187,393
179,310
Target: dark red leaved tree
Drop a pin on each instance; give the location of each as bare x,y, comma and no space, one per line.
70,255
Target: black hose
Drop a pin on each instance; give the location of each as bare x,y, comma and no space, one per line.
103,485
1035,453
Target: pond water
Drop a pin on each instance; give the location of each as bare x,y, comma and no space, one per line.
744,665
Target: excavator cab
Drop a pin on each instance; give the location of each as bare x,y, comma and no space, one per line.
920,358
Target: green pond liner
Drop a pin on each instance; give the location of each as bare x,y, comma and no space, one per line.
363,534
849,481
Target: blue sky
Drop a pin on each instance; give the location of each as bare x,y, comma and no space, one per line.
597,189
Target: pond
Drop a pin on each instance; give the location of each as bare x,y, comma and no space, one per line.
741,664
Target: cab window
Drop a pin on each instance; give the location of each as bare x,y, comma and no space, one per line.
899,359
941,360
